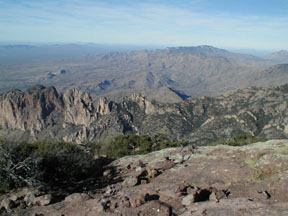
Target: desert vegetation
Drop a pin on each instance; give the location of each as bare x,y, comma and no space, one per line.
46,165
132,144
239,140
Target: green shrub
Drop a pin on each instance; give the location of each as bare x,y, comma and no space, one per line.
239,140
138,144
44,164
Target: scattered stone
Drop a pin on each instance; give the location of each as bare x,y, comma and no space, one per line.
14,198
151,173
43,200
140,164
110,190
184,188
188,200
144,181
164,165
155,208
139,169
130,181
125,202
113,205
107,173
213,197
137,200
77,197
30,199
7,204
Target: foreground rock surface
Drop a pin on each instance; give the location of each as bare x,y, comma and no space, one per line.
214,180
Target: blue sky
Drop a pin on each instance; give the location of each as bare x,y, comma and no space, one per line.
246,24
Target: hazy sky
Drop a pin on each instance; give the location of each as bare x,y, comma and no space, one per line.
254,24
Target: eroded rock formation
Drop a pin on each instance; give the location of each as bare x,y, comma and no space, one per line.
41,113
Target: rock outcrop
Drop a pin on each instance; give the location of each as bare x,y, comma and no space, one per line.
214,180
79,109
42,114
30,110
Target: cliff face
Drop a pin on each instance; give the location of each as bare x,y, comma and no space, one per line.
29,111
78,108
41,113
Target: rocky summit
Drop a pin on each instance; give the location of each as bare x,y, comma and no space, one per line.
43,114
214,180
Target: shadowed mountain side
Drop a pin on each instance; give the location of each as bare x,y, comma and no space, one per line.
42,114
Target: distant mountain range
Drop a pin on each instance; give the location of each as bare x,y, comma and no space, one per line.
281,56
190,71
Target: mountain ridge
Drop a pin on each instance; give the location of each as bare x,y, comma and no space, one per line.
42,114
196,71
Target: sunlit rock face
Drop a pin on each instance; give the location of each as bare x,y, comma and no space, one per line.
30,110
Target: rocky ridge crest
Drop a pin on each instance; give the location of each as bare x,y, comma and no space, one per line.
42,114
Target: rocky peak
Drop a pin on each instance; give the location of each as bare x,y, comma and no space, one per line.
28,110
143,103
104,106
78,107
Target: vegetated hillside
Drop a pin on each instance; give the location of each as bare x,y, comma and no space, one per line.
42,114
193,71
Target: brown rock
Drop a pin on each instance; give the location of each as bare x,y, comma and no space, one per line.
164,165
125,202
14,198
107,173
43,200
77,197
137,200
213,197
151,173
155,208
30,199
188,200
6,204
130,181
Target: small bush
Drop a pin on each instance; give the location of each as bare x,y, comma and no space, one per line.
239,140
44,164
